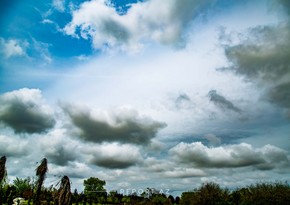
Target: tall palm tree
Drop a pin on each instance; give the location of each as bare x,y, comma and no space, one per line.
41,173
64,194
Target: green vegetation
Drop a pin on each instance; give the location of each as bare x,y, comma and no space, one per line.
95,193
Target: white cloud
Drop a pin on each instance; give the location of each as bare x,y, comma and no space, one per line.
149,20
59,5
13,147
13,47
114,155
238,155
184,173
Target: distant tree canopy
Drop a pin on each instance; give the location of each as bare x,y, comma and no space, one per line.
94,189
259,194
23,186
94,184
95,193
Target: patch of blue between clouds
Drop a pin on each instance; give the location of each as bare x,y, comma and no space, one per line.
122,6
25,21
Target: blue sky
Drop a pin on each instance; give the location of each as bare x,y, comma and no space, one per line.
146,93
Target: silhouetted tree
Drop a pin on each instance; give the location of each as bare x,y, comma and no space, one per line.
263,193
207,194
177,200
171,198
94,189
75,197
41,171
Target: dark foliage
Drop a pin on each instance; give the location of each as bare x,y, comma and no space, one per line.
95,193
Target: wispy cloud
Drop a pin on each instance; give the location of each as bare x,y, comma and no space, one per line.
221,101
13,47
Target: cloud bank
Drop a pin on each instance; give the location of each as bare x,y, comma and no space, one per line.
115,156
123,125
262,57
229,156
149,20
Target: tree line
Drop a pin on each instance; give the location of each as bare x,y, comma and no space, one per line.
34,192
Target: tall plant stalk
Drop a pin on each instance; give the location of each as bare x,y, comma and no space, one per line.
41,171
64,193
2,168
2,174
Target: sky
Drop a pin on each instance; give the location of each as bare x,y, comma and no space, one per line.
150,93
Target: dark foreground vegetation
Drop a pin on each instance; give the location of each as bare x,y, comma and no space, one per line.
94,193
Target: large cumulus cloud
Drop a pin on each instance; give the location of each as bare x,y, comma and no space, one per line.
230,156
12,147
263,58
149,20
114,156
122,125
59,149
24,111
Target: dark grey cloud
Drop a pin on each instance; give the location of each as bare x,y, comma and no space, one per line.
280,94
112,163
222,102
20,111
285,6
60,155
125,127
114,155
230,156
263,58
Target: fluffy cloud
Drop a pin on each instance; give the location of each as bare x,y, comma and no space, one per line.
239,155
114,156
263,58
12,147
151,19
222,102
184,173
124,126
170,169
73,170
59,5
12,47
58,149
24,111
